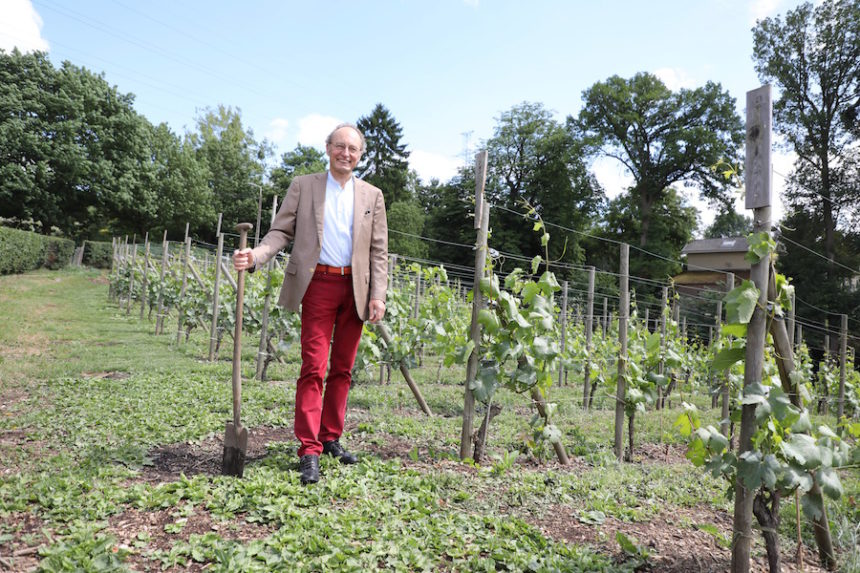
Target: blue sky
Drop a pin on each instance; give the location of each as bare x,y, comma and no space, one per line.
445,69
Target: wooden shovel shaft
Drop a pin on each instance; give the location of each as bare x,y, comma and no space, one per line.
243,229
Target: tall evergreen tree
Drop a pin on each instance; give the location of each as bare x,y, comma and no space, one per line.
384,162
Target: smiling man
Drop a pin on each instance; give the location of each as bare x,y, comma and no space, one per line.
336,277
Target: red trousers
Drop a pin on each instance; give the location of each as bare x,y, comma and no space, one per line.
327,307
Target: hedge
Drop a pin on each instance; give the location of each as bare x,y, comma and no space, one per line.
98,254
22,251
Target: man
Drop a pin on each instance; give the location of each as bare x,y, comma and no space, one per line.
338,273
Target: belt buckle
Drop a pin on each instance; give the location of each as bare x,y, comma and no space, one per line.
341,271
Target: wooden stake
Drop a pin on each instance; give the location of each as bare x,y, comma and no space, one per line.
589,327
621,386
482,223
757,174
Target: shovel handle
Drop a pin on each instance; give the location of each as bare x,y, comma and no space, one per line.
243,229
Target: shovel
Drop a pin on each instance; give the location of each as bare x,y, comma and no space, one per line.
236,437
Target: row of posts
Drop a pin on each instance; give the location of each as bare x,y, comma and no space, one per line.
126,254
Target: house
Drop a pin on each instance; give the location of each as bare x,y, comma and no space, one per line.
708,260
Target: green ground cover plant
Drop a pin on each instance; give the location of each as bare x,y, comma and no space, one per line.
110,461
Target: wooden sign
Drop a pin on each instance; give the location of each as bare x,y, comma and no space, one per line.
480,182
757,166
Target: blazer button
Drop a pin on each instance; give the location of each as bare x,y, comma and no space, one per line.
312,269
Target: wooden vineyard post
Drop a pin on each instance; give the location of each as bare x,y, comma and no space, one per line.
757,181
131,275
482,222
621,386
843,356
213,330
605,322
562,374
125,267
159,316
112,267
785,364
589,323
798,338
725,424
185,263
791,320
386,336
264,325
145,285
661,365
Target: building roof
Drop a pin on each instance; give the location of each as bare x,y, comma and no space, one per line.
724,245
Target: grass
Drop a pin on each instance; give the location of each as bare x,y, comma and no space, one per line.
89,394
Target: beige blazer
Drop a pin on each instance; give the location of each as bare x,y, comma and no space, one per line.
300,219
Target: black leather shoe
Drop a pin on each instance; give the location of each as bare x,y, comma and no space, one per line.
333,448
309,466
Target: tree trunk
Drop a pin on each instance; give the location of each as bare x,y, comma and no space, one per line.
630,426
541,408
766,511
481,437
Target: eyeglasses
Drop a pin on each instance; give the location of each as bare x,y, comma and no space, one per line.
341,147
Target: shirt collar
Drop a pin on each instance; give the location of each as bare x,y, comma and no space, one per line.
350,183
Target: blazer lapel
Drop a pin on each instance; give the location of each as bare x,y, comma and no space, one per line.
319,203
360,210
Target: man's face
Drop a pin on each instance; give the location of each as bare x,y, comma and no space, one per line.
344,151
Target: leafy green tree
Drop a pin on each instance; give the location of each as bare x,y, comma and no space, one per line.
73,152
534,160
729,223
384,162
663,138
450,222
672,227
180,182
405,227
235,161
813,57
303,160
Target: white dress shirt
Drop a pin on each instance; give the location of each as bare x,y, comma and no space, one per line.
337,223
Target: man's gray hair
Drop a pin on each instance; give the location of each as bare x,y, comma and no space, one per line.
354,128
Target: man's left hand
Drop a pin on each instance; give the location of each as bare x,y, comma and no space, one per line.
377,310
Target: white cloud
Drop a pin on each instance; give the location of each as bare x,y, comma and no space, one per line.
314,128
277,131
21,27
431,165
675,78
472,3
761,9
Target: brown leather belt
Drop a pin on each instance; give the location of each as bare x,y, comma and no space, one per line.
325,269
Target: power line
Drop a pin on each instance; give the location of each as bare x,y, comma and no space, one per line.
819,255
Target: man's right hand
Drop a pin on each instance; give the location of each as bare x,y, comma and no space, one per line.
243,260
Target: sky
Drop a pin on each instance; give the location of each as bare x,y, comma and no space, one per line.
445,69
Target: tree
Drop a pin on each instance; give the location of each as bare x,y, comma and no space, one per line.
813,57
663,138
729,223
449,209
303,160
533,160
672,225
235,162
405,226
180,183
384,163
73,152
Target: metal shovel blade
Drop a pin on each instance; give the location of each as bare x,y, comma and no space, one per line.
235,446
